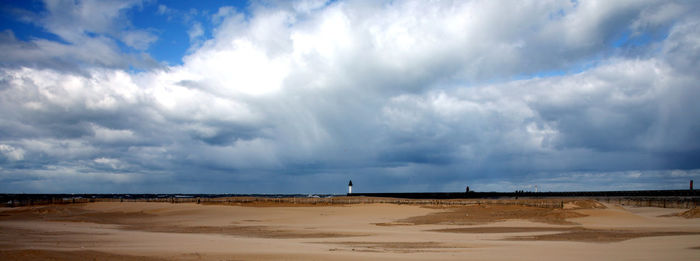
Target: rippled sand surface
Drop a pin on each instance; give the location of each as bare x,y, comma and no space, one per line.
582,230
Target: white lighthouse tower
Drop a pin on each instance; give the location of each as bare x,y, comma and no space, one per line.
350,187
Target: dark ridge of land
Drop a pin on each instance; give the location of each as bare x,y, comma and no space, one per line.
656,198
15,200
410,195
528,194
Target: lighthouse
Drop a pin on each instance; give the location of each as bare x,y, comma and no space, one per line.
350,187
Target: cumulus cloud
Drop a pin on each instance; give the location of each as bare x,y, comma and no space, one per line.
89,33
398,96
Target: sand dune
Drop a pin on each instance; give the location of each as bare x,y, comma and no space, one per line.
582,230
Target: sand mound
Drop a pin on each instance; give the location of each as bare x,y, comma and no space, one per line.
152,220
583,204
484,230
579,234
75,213
35,254
479,214
600,236
43,212
396,247
245,231
691,213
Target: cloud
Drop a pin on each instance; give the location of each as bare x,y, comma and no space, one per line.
222,13
112,163
195,32
11,153
399,96
683,47
163,9
60,56
97,26
139,40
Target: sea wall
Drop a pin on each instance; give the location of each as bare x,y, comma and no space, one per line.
546,200
686,203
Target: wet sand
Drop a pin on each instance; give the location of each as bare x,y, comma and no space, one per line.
582,230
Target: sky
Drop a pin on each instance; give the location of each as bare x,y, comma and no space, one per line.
302,96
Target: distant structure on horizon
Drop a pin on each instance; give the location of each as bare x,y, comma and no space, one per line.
350,187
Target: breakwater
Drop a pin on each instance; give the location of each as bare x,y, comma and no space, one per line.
649,198
294,201
16,200
528,194
638,198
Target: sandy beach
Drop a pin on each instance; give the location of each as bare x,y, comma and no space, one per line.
582,230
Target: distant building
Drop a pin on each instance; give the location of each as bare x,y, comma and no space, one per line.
350,187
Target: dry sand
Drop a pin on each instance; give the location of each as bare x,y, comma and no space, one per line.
583,230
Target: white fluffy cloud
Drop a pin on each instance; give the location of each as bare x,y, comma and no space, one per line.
408,95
